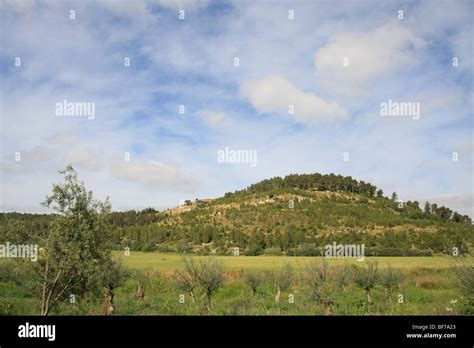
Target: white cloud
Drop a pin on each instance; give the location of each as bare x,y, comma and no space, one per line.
275,94
85,159
213,118
152,173
370,55
28,161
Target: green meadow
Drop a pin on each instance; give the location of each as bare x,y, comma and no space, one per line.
427,286
164,262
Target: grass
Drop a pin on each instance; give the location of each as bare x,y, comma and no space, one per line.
428,288
164,262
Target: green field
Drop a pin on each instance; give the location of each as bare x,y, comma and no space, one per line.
164,262
428,286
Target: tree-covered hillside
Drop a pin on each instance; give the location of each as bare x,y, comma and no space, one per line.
294,215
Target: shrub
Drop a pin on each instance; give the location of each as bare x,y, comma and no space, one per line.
465,279
304,250
273,251
149,246
283,279
390,278
211,278
317,276
255,251
253,279
344,276
367,278
416,252
188,279
183,247
163,248
390,252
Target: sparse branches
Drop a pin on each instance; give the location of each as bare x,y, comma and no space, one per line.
367,278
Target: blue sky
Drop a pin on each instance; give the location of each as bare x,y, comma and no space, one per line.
190,62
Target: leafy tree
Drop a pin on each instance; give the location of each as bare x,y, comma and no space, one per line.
394,197
427,209
76,245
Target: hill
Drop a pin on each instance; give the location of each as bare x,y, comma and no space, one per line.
298,215
294,215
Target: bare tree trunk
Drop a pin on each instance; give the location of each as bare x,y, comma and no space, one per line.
44,309
193,296
328,310
367,292
108,301
140,291
277,296
209,304
388,292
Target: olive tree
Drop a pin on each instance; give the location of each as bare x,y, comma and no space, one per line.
283,279
211,278
188,279
319,279
76,244
390,278
253,279
110,276
367,278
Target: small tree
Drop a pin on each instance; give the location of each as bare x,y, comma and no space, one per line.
253,280
283,279
465,282
211,278
390,278
394,197
140,293
318,278
367,278
110,276
76,244
344,276
188,279
427,210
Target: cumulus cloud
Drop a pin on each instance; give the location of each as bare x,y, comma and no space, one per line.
84,159
212,118
152,173
369,56
276,94
28,161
